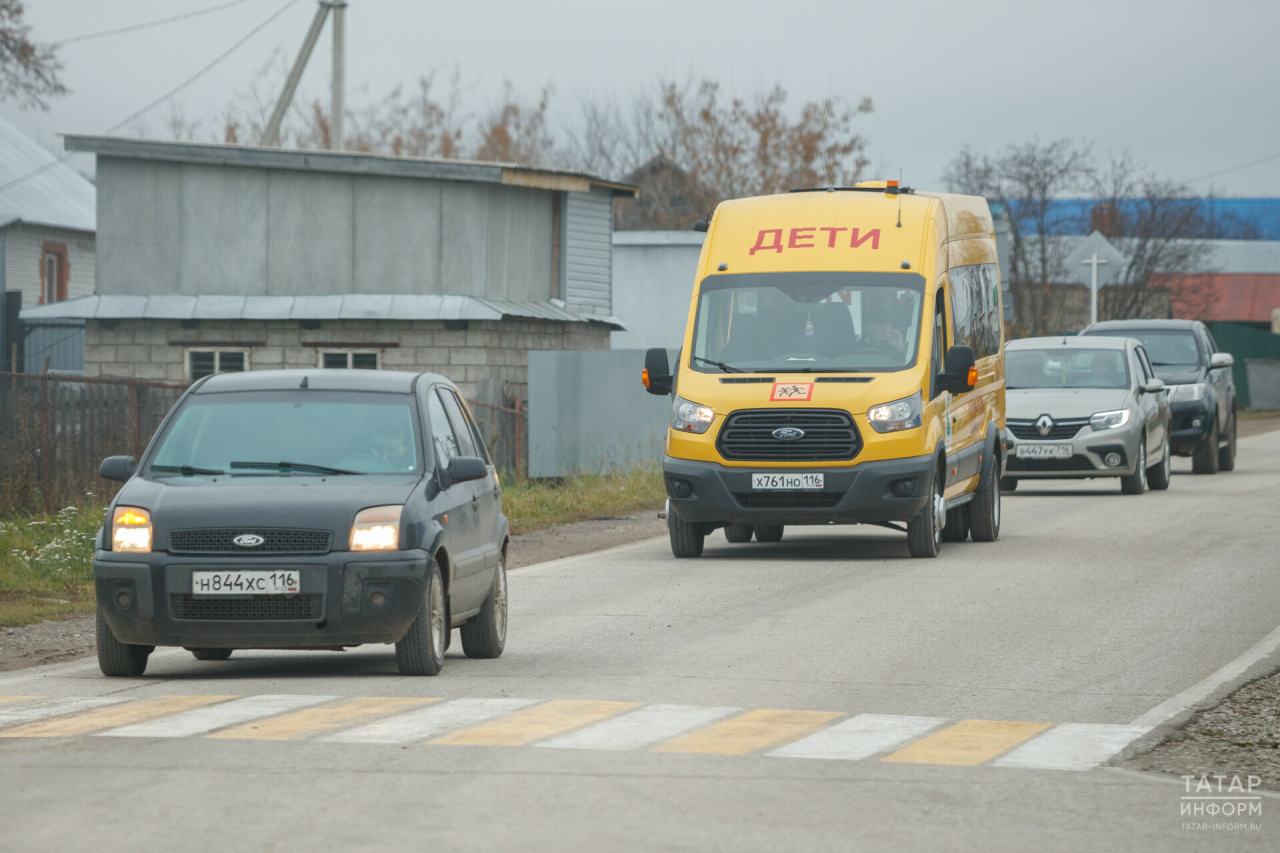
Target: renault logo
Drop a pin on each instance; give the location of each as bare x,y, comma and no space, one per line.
1044,424
248,540
788,433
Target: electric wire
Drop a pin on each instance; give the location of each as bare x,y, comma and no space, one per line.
148,24
1228,171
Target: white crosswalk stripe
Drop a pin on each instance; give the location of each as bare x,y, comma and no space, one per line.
859,738
42,709
201,720
431,721
641,728
1072,746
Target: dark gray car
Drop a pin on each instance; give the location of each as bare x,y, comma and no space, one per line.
305,509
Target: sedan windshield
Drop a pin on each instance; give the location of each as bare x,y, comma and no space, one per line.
1165,347
295,433
1066,368
807,322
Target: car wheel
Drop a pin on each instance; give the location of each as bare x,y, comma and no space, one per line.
117,659
769,532
1205,458
1158,476
957,527
1008,484
687,538
984,510
924,532
421,650
210,654
738,532
1136,483
485,634
1227,452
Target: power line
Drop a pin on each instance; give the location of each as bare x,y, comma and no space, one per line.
144,26
1236,168
166,96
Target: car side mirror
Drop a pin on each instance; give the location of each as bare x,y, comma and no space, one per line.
656,375
117,468
1221,359
960,372
464,468
1153,386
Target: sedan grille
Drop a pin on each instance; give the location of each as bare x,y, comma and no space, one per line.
274,541
828,435
258,607
1071,463
1061,430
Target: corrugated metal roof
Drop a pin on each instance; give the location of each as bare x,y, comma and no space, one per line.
356,306
1244,256
46,192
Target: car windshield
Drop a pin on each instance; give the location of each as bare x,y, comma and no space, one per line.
1066,368
1164,346
319,433
807,322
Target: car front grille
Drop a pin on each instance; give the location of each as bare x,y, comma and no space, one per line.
787,500
1071,463
275,541
1026,430
258,607
829,435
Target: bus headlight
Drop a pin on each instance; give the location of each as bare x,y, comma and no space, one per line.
688,416
898,415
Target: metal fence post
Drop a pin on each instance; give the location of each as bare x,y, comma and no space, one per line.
519,440
46,449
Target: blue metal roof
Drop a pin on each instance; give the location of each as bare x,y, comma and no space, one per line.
40,190
1225,218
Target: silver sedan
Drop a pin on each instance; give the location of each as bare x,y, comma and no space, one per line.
1085,407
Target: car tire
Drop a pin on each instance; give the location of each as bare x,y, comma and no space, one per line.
1008,484
1158,476
1227,452
738,532
1136,483
485,634
117,659
687,538
957,527
924,532
1205,458
984,509
210,654
421,650
769,532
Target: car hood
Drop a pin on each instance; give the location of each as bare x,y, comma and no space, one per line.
1179,374
1059,403
291,501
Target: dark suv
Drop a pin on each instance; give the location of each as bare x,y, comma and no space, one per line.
305,509
1202,393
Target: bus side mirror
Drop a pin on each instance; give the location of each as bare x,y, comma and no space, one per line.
961,372
656,375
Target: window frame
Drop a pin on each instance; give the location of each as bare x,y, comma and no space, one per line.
349,352
217,351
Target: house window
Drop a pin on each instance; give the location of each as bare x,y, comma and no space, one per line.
353,359
50,279
202,363
54,272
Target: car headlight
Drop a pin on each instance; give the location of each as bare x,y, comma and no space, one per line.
898,415
688,416
1186,393
131,530
1109,420
376,529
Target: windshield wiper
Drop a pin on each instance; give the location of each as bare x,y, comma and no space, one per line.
324,469
720,364
186,470
1173,364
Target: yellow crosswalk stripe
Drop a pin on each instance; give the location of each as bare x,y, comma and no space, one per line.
522,727
124,714
968,742
749,732
313,721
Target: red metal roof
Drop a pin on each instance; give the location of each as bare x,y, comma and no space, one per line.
1245,298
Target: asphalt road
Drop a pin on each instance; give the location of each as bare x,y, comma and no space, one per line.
825,692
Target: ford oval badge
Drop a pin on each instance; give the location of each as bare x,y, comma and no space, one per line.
788,433
248,540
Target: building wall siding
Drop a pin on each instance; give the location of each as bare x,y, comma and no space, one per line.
23,249
652,287
588,247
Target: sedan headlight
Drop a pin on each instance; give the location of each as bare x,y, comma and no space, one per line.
898,415
1109,420
688,416
131,530
1186,393
376,529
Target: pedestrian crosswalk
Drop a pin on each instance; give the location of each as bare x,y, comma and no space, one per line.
573,724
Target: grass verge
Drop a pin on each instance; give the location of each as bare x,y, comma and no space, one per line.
46,565
534,504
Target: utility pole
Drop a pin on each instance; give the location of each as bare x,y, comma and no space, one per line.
1093,286
271,135
339,72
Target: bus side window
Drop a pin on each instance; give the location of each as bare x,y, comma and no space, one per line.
939,326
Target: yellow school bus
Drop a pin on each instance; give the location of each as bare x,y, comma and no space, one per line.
842,363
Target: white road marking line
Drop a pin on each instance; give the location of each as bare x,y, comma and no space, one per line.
1072,746
859,738
44,708
1175,705
640,728
201,720
431,721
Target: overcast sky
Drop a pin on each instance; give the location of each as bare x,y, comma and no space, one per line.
1188,88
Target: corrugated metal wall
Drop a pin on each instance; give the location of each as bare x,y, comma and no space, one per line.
588,248
62,342
1245,341
653,273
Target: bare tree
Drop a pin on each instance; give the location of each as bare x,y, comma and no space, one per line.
29,72
515,132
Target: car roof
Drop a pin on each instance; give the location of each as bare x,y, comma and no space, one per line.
1069,342
1101,328
384,381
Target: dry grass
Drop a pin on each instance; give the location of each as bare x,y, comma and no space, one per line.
535,504
46,565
